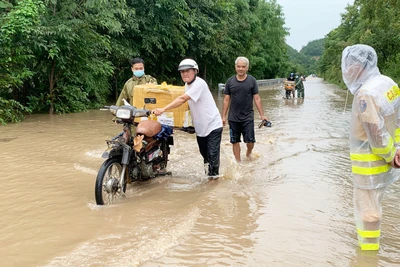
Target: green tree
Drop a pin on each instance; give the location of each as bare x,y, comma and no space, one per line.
314,48
61,56
269,57
336,41
71,48
17,23
373,23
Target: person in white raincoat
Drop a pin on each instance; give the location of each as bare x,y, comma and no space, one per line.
374,138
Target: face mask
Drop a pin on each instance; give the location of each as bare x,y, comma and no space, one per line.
138,73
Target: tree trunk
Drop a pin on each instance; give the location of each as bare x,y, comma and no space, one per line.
116,86
51,87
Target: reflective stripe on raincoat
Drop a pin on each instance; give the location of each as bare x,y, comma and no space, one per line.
373,141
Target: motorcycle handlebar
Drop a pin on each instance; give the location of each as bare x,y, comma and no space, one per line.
105,108
114,108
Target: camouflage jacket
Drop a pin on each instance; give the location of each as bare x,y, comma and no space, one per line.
127,91
299,83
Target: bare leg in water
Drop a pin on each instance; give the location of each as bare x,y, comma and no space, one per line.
236,151
250,147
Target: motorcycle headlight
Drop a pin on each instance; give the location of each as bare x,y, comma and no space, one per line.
124,113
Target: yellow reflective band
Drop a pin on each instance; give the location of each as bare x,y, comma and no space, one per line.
369,246
365,157
392,93
383,150
369,234
397,135
370,170
389,159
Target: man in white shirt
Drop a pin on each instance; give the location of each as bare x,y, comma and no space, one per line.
206,117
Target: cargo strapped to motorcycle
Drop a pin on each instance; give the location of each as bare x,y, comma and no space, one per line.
165,132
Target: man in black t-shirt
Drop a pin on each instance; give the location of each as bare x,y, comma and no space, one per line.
240,92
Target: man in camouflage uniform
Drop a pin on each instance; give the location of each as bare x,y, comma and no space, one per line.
299,87
137,66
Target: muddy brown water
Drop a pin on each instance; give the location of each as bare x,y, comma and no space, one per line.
291,205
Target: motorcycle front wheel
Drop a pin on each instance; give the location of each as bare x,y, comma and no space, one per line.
107,187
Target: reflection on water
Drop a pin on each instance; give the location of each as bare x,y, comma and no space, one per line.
291,205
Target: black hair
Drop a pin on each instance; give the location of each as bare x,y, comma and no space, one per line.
136,60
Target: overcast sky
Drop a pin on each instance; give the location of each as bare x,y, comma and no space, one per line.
310,20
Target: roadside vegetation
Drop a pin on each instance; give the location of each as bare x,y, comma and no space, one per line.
305,61
62,56
375,23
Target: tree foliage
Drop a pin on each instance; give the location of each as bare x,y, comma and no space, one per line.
314,48
374,23
61,56
306,61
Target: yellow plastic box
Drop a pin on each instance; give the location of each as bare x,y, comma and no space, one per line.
162,95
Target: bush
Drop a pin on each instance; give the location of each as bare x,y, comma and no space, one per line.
12,111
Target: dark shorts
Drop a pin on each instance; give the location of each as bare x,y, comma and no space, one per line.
245,128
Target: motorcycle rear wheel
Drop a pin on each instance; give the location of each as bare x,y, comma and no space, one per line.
107,188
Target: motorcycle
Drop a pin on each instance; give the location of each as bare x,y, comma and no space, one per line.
289,86
130,156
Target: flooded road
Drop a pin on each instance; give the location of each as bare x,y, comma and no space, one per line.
291,205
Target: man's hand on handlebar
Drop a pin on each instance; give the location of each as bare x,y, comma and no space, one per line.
158,111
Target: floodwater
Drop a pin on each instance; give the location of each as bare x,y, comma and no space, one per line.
290,205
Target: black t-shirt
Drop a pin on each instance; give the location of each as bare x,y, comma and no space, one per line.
241,92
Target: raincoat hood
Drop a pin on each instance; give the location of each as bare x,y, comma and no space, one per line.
359,63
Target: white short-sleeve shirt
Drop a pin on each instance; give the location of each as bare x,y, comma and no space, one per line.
205,114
